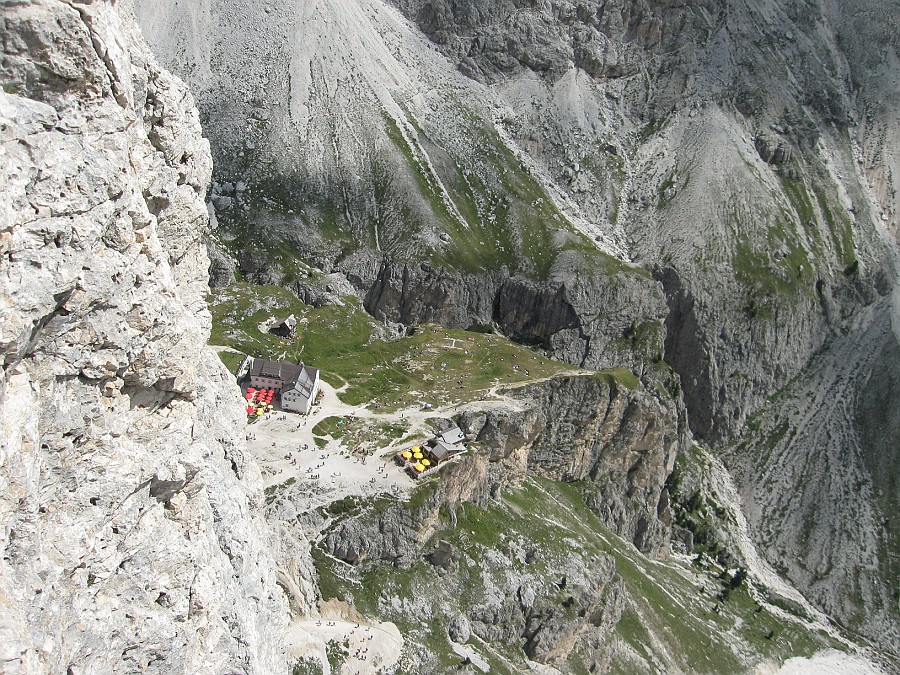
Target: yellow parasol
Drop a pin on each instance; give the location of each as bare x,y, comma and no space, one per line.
420,468
407,455
417,455
417,448
425,462
259,412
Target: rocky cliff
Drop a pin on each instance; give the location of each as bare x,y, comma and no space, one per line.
492,586
593,320
617,442
131,533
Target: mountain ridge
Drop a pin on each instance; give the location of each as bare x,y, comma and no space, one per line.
760,203
696,198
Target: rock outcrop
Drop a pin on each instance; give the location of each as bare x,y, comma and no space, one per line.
584,316
773,150
493,41
131,539
619,443
517,591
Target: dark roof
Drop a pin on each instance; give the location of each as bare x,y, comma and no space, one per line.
289,323
288,373
441,451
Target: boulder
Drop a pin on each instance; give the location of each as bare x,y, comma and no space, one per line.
459,629
773,150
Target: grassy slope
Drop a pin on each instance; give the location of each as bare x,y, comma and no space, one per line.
499,215
669,624
825,228
509,219
336,339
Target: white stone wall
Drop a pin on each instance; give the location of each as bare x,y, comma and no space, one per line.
131,531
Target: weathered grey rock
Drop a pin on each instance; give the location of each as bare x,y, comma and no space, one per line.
444,554
492,41
459,629
257,266
132,536
563,315
328,290
389,536
499,619
222,202
773,150
221,265
621,442
683,540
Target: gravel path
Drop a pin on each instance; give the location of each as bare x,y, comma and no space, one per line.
369,648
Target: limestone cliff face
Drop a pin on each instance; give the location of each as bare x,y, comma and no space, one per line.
584,318
620,443
130,530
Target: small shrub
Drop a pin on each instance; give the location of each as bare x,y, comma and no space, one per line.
307,666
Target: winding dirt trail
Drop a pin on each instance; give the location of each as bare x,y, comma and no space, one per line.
285,446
